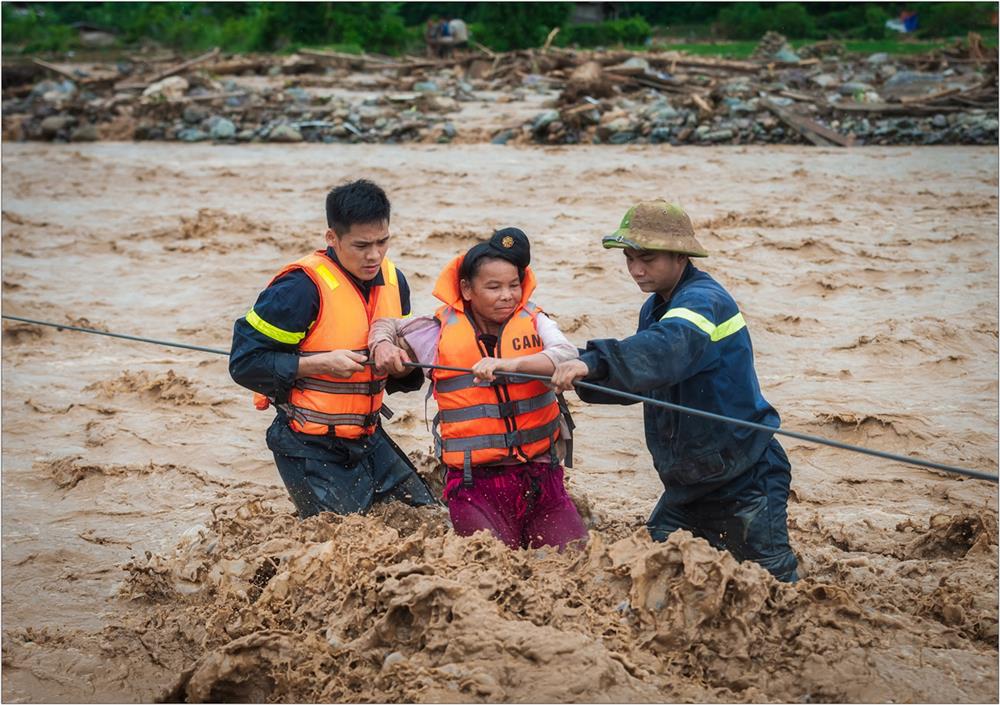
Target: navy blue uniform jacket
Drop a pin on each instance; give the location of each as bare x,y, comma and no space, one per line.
693,350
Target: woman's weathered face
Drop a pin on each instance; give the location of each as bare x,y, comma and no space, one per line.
494,291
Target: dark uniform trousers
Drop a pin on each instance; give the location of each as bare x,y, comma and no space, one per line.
346,476
747,517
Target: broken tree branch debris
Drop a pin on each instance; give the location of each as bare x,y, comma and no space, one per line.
816,94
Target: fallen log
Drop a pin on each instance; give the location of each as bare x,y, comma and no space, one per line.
56,69
369,62
352,60
211,96
584,107
801,97
810,129
184,66
94,77
700,62
894,108
702,104
238,66
625,70
650,82
930,98
485,49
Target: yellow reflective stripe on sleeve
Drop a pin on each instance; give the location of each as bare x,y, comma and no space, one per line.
390,269
688,315
407,315
714,332
327,276
273,332
727,328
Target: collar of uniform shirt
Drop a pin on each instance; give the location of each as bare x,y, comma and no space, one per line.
364,286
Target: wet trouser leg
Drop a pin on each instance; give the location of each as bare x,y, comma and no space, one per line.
554,520
749,518
522,505
471,512
322,485
394,475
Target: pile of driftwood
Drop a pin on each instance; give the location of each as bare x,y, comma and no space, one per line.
955,80
810,96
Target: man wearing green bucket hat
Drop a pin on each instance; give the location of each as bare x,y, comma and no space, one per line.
725,483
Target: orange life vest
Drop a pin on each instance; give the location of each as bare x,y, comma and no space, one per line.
346,407
483,424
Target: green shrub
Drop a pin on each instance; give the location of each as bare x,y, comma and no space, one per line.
743,21
792,20
631,31
873,26
477,30
839,22
239,26
950,19
31,29
518,25
751,20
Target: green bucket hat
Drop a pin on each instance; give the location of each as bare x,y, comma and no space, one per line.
656,225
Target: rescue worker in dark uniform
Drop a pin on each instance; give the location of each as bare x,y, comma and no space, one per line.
302,347
725,483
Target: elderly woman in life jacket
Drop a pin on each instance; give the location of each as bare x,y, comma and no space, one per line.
501,438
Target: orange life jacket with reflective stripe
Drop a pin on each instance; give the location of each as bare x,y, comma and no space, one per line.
485,424
345,407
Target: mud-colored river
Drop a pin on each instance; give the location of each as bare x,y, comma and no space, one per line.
149,549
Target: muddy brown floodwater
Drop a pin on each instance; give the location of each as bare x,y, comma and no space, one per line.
149,550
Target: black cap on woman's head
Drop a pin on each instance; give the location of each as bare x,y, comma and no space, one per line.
510,244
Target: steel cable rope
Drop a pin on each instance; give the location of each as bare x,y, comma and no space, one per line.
168,344
907,460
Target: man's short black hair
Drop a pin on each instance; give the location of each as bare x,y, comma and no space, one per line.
356,203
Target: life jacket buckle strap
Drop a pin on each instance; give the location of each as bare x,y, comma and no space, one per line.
570,426
467,469
369,388
367,421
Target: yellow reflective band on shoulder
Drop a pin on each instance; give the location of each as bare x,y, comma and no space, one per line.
692,317
273,332
390,271
407,315
727,328
714,332
327,276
